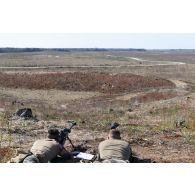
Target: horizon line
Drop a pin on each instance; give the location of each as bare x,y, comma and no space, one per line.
105,48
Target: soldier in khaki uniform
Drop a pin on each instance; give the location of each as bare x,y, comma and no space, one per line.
114,150
46,150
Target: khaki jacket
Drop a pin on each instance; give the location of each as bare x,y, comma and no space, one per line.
46,150
114,149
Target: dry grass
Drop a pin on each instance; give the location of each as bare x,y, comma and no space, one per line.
110,61
77,81
50,96
6,154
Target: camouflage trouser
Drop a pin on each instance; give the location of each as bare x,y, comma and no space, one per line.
31,159
115,161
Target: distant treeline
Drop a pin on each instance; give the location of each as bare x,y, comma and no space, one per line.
17,50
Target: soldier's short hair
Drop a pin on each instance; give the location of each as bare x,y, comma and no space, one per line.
115,134
53,133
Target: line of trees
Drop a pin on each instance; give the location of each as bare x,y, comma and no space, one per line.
17,50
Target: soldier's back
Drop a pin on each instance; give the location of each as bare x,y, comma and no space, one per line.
114,149
46,149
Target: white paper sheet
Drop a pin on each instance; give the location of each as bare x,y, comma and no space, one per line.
84,156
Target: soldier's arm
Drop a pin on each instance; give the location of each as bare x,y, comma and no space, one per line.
98,154
65,154
130,154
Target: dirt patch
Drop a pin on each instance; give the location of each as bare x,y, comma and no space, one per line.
78,81
179,84
147,97
153,96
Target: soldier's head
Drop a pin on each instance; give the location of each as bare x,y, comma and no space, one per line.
114,134
53,134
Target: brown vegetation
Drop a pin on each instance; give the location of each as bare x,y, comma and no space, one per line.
5,154
78,81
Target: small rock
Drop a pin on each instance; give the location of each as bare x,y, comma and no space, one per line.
24,113
161,142
130,110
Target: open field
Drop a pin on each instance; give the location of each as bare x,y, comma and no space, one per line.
169,64
145,91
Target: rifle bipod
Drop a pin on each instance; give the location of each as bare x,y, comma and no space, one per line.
70,142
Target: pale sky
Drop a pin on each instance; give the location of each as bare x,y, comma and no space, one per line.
99,40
